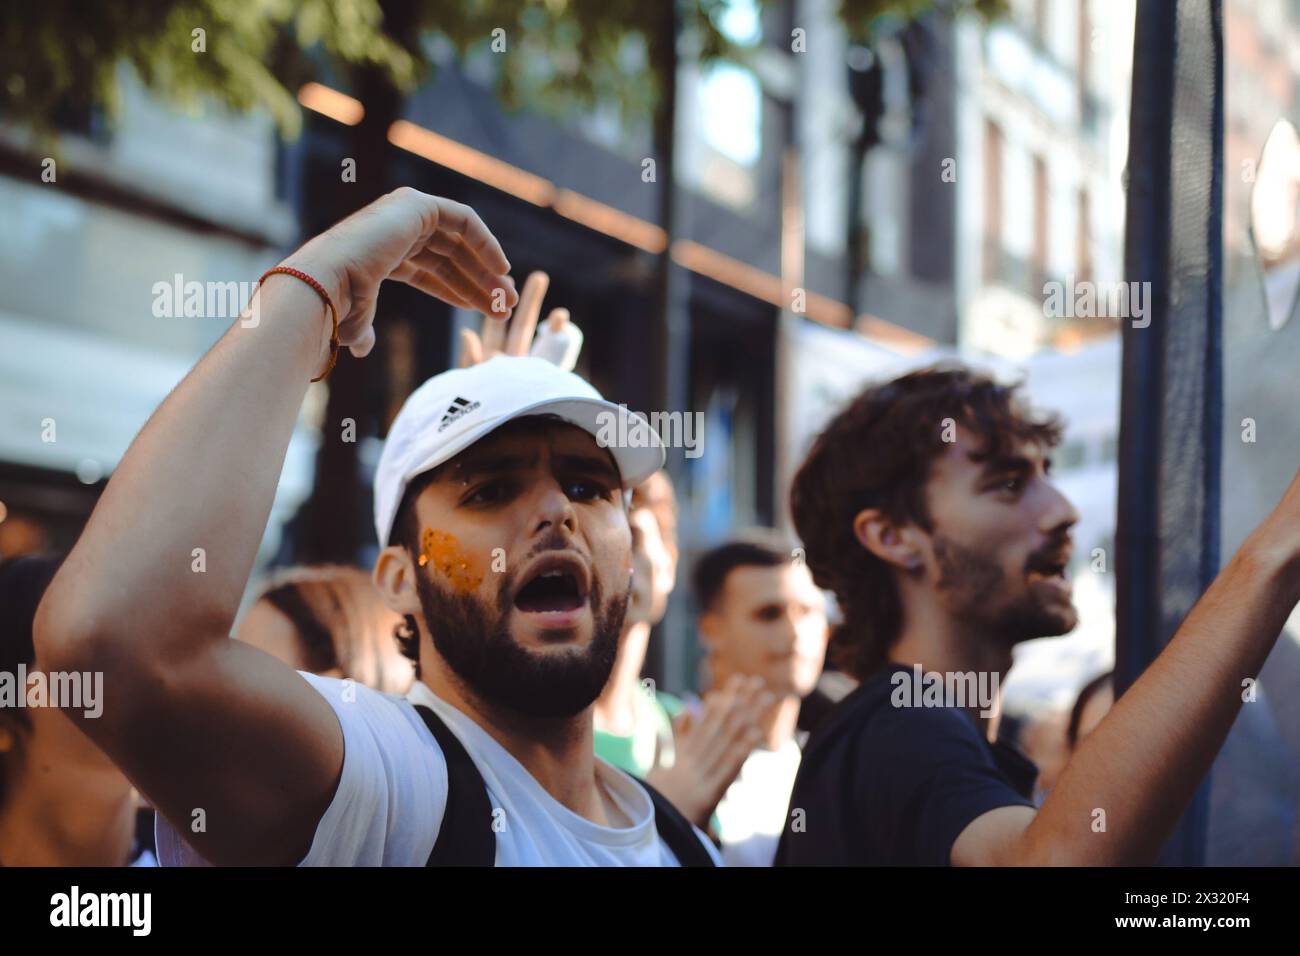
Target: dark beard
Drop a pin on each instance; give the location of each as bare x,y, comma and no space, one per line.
974,582
475,641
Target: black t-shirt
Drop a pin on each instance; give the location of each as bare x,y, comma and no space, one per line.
881,785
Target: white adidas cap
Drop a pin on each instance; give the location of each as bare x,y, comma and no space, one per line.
452,411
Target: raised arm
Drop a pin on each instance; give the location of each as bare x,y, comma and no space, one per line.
1142,763
198,721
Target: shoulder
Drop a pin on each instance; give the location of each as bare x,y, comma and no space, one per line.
365,713
874,730
914,775
391,793
392,790
345,694
670,826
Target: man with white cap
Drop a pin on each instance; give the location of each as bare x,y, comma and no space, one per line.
505,544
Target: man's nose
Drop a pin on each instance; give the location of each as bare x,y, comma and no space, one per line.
1059,513
787,633
554,509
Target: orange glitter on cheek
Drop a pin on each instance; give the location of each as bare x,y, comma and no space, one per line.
443,551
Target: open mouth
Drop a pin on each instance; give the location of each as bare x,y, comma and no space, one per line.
555,585
1052,571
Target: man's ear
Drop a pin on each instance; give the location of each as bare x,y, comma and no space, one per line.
394,578
898,546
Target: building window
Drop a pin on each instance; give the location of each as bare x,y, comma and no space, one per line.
1042,217
1084,46
732,102
992,201
1042,25
1085,246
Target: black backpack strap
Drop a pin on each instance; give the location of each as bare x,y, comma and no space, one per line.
676,831
466,837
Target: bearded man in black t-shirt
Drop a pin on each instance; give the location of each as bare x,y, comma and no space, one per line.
927,507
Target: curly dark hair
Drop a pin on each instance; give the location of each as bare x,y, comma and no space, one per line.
877,453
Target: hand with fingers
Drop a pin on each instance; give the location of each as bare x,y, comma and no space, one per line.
709,749
559,341
436,245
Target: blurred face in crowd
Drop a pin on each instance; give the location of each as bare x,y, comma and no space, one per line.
654,568
265,627
999,545
521,571
769,622
374,658
44,741
46,763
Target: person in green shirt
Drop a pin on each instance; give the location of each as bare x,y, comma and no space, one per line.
690,757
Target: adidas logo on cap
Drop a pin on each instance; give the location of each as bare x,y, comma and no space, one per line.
458,407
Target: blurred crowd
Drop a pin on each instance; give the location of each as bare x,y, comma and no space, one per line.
446,712
726,757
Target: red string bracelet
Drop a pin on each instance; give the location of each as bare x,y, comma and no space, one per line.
325,297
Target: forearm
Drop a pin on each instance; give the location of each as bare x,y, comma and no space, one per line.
201,474
193,718
1143,762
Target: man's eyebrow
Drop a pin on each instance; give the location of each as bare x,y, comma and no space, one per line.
588,462
1000,464
495,464
487,464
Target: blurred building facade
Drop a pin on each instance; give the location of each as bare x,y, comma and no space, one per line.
764,157
92,226
1043,120
996,167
